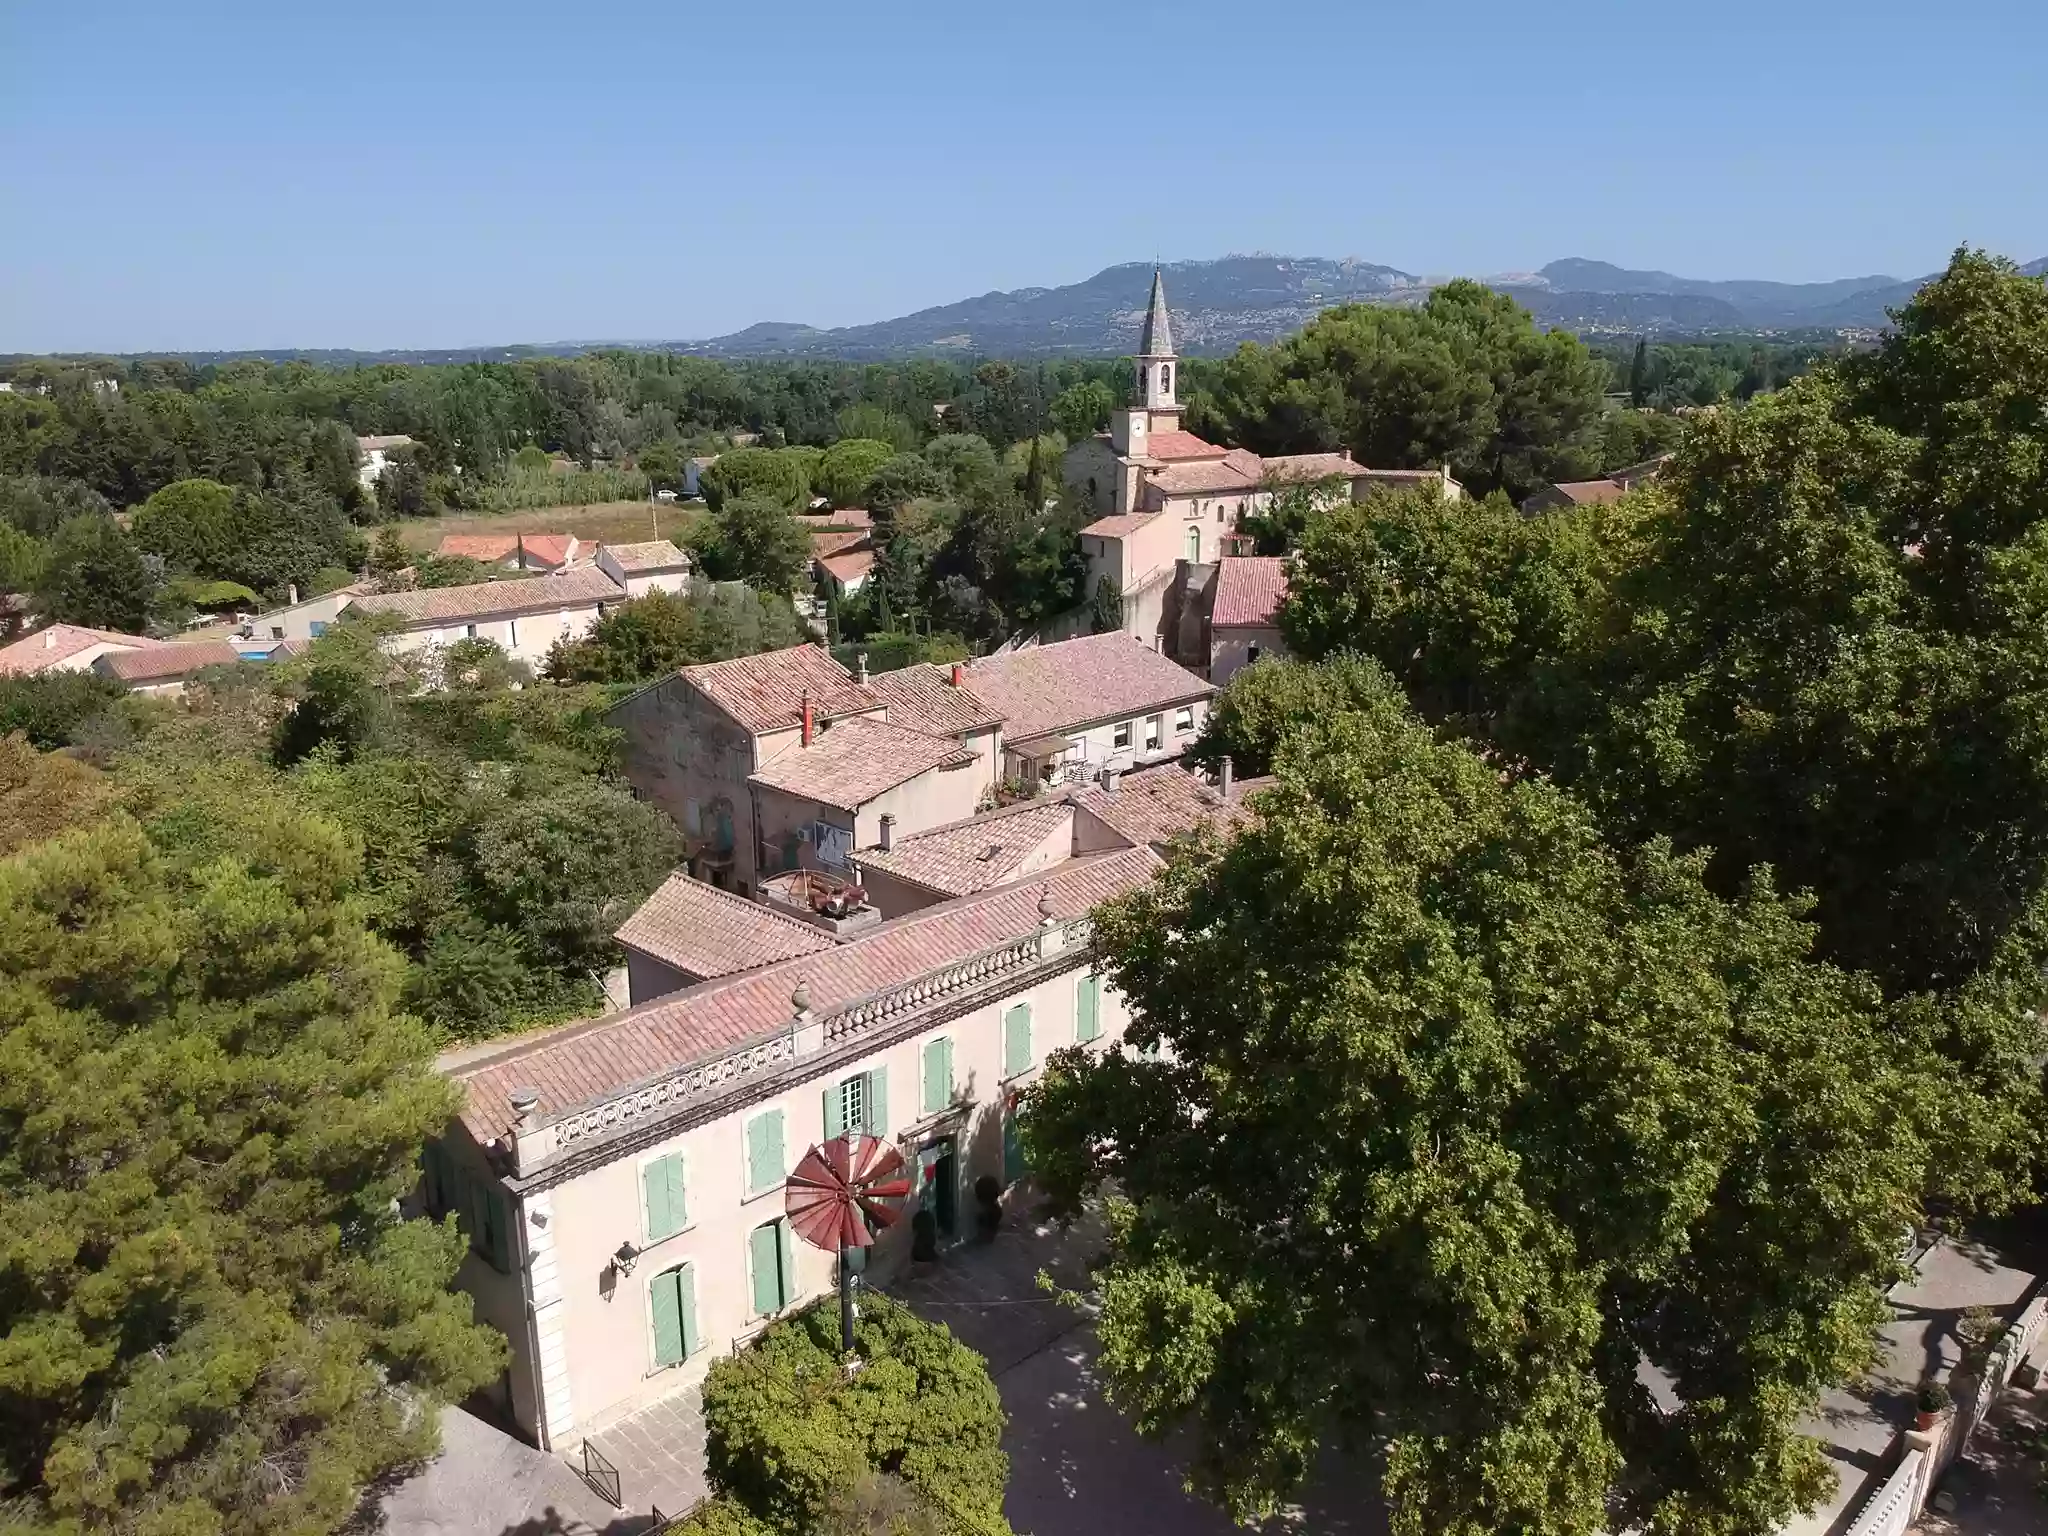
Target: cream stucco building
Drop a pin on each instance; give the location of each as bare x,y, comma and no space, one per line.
622,1179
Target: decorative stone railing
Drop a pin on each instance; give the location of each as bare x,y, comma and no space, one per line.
858,1017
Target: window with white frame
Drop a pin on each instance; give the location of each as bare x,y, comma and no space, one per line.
1122,737
1152,733
1184,719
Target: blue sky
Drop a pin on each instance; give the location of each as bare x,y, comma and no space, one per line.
450,173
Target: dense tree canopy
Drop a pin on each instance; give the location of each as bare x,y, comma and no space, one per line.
1815,645
1466,1114
1465,380
651,636
210,1317
789,1432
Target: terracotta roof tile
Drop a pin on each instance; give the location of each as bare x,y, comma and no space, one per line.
1198,476
923,698
487,599
1248,590
853,565
157,663
1076,683
58,643
973,855
842,517
708,933
1587,493
1180,445
586,1063
835,541
851,761
1157,805
1312,466
766,692
648,555
1119,527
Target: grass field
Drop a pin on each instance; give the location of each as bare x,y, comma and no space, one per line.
610,522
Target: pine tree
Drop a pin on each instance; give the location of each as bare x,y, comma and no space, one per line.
1639,374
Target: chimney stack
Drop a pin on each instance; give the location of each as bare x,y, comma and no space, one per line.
1228,776
1110,774
888,830
959,675
860,668
807,718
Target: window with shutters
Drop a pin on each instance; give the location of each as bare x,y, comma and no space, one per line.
1152,733
672,1315
858,1103
771,1268
765,1165
1017,1041
1121,737
1184,721
937,1096
1088,1008
490,1236
437,1180
661,1184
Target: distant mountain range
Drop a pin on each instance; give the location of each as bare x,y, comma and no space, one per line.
1217,304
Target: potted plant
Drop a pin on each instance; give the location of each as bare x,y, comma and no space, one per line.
1933,1403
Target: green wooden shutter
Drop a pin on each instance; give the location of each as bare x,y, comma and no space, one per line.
764,1266
785,1256
663,1182
438,1185
1088,1008
877,1105
668,1317
835,1111
1017,1041
495,1236
938,1075
686,1305
764,1152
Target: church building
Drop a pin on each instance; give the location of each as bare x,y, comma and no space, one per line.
1168,501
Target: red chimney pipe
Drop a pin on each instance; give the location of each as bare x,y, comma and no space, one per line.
807,717
959,674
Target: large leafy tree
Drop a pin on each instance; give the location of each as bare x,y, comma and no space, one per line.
1817,645
1467,380
843,473
754,538
1466,1117
93,575
210,1317
770,474
651,636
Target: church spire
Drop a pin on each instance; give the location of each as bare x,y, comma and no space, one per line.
1156,340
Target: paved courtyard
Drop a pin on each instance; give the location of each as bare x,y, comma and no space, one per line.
659,1454
485,1483
1077,1468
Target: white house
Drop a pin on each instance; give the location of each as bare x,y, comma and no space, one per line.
376,453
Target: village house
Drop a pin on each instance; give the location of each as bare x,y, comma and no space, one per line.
621,1180
374,454
1242,628
66,648
540,553
1074,706
1171,504
788,761
1609,488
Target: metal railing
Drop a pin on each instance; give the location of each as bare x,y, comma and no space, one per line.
602,1476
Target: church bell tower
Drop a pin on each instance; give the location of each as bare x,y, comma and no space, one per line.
1158,363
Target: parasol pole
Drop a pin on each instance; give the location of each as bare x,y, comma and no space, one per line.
845,1300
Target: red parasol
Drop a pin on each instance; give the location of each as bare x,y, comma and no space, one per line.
840,1192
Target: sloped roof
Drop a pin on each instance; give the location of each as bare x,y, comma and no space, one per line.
1238,470
648,555
387,440
548,549
707,933
1123,525
1157,805
766,692
1180,445
58,643
970,856
853,565
1248,590
833,541
923,698
587,1063
1075,683
1156,340
839,517
1586,493
491,599
1313,466
156,663
853,760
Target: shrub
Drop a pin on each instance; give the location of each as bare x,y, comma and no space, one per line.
1934,1397
48,706
788,1431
